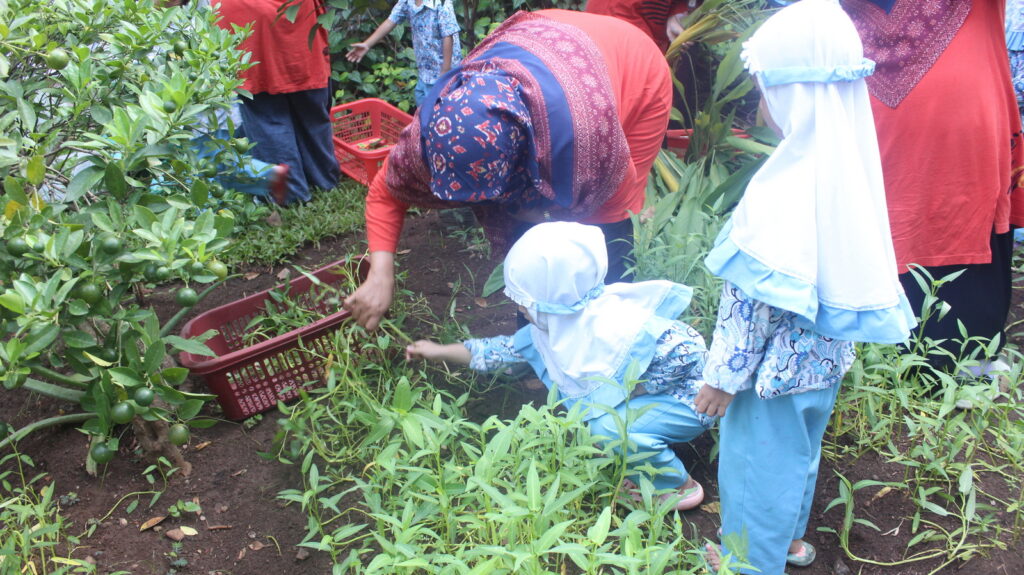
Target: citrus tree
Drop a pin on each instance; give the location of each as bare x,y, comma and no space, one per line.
106,193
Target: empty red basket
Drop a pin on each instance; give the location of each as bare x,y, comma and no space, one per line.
364,133
251,379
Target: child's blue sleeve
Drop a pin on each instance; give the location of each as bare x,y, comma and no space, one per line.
448,24
492,353
678,363
400,13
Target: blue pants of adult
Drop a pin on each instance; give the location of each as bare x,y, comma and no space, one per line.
653,432
767,468
294,129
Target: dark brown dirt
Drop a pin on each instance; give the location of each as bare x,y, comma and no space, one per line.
244,529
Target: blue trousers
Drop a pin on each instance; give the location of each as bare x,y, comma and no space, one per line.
668,421
767,468
294,129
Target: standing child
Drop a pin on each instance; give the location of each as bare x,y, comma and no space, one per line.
809,269
584,335
435,39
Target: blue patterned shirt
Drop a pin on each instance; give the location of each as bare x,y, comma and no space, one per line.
758,345
676,368
431,22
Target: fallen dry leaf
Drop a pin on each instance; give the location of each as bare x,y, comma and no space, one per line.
257,545
188,531
284,274
403,252
150,523
202,445
302,554
713,507
175,534
249,276
218,527
881,493
241,554
480,302
274,220
239,472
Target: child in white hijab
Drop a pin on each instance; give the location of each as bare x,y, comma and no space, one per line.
809,269
584,335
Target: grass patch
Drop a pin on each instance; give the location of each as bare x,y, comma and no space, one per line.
331,213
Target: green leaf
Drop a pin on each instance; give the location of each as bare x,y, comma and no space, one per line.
83,182
189,345
113,179
126,377
495,281
13,302
15,191
190,408
200,193
174,376
598,532
79,339
43,339
35,170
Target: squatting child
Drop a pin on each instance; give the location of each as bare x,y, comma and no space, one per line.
809,268
584,335
435,39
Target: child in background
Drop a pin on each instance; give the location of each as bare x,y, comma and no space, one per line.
809,268
582,337
435,39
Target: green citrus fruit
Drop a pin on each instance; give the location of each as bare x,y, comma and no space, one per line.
18,247
241,145
122,412
178,434
217,268
110,245
149,272
163,273
108,354
180,46
170,106
210,172
196,268
100,453
89,293
186,297
144,396
57,59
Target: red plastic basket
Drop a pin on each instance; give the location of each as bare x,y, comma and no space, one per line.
364,133
251,379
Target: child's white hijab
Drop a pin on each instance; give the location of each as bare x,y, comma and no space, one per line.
811,234
586,332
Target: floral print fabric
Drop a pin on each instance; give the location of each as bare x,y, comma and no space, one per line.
431,22
676,369
758,345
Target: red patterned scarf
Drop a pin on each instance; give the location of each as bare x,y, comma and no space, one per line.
906,42
579,147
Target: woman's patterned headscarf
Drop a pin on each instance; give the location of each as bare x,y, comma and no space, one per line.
479,143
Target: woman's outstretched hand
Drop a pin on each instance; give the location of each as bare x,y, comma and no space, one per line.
371,300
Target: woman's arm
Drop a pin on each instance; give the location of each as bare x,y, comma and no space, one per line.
384,218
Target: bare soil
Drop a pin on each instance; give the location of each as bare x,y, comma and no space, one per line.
244,529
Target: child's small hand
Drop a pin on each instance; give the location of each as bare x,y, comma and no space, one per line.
711,401
422,349
357,51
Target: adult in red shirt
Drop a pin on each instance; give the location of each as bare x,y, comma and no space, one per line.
288,116
557,115
658,18
949,135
